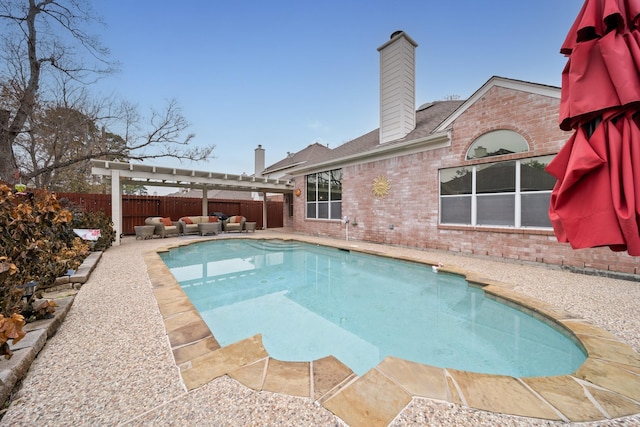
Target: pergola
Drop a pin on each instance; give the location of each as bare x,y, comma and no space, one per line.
163,176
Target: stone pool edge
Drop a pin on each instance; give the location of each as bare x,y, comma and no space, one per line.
606,386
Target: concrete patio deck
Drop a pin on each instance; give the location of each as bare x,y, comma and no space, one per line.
134,351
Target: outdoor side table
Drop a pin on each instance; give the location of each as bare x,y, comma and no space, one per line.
208,227
144,232
250,226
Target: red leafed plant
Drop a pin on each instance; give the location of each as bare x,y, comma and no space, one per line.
11,328
37,244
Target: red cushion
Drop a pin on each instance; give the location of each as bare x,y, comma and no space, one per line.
213,219
187,220
166,221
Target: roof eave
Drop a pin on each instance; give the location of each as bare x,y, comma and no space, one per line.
383,151
268,171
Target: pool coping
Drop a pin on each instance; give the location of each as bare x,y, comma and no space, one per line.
606,386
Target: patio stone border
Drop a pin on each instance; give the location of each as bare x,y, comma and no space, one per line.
80,276
25,351
606,386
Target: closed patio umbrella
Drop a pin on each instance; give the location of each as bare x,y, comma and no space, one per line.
596,199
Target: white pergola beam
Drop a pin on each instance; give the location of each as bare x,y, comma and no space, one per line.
155,175
159,176
116,204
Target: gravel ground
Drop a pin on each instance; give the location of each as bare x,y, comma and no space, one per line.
110,362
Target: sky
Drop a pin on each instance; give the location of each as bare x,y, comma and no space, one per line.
286,74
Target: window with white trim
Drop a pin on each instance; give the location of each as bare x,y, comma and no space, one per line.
514,193
497,143
324,195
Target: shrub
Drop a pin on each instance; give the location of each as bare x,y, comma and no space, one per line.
93,220
37,244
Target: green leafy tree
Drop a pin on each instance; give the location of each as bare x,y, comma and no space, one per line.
135,189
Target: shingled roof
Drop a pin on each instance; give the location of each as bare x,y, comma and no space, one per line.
310,154
428,117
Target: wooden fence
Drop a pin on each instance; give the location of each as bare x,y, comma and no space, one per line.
135,209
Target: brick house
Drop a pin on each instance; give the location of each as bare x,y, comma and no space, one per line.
462,176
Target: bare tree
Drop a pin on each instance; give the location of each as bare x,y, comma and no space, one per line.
26,56
64,134
47,55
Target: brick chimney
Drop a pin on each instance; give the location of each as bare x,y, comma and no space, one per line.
397,87
259,161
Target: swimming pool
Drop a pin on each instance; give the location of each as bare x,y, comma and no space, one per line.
311,301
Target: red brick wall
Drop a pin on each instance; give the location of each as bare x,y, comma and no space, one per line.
411,206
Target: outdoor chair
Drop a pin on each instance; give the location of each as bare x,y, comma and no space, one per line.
163,226
234,223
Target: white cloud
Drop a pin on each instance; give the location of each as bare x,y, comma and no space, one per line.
317,125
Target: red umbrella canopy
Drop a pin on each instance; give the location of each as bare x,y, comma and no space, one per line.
596,200
603,69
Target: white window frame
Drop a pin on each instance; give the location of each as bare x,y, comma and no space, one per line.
331,203
474,199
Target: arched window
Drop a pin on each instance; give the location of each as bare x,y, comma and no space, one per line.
497,143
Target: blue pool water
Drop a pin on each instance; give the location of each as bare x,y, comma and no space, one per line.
311,301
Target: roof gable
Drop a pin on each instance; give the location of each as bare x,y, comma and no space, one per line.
520,85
